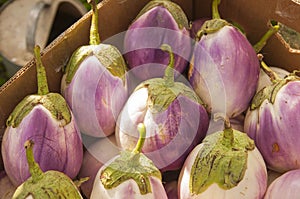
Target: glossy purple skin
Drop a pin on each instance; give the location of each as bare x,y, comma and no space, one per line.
285,186
145,36
56,147
171,134
275,128
96,98
224,71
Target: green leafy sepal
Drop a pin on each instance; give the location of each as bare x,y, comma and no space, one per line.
222,160
108,55
269,92
160,95
172,7
130,165
53,102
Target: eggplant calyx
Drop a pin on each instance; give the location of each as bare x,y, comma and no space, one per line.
131,165
76,59
269,92
222,161
51,184
111,58
54,184
174,9
211,26
53,102
108,55
161,96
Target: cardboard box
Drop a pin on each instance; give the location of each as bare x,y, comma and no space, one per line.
116,15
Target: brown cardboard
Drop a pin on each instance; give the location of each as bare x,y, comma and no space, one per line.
116,15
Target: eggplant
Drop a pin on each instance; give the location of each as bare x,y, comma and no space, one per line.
129,175
175,118
46,119
273,122
224,68
49,185
286,185
159,22
95,84
226,164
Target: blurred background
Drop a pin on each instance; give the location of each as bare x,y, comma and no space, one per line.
60,24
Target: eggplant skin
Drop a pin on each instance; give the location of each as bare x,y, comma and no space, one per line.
285,186
224,71
56,147
96,97
275,128
145,36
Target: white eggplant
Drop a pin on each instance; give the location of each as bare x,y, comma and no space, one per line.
225,165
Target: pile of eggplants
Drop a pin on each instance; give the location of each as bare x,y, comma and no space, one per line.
208,118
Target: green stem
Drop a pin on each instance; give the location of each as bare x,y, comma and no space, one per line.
169,72
140,143
34,168
228,131
215,10
263,41
41,73
94,32
272,75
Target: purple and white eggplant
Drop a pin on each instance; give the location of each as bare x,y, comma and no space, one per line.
94,84
225,165
224,67
46,119
129,175
273,121
174,116
159,22
286,185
